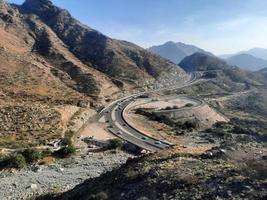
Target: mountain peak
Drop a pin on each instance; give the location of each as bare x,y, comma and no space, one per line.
36,4
170,42
176,51
39,2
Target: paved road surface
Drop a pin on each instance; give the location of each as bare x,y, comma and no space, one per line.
118,125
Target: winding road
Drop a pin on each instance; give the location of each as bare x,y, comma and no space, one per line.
118,126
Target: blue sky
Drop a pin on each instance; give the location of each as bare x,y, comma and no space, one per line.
220,26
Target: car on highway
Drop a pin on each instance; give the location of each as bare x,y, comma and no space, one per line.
119,132
157,142
124,124
144,138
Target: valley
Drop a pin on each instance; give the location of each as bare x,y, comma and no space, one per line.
88,117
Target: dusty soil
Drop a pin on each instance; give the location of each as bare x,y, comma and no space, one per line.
96,130
161,103
205,114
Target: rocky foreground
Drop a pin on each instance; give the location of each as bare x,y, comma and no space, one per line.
57,177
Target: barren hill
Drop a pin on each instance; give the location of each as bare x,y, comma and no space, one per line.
117,59
49,59
72,55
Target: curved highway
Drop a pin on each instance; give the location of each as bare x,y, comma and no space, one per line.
118,125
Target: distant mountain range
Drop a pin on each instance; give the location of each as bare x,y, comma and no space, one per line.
247,62
176,52
253,59
256,52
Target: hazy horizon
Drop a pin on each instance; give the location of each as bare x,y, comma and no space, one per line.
221,27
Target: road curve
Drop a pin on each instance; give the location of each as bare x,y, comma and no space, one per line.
118,125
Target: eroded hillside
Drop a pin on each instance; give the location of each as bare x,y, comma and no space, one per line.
49,60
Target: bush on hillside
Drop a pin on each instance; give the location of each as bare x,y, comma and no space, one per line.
65,151
14,161
31,155
115,144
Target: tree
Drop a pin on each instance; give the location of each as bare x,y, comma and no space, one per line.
115,144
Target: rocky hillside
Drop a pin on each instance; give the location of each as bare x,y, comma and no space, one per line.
169,175
72,55
222,76
117,59
49,59
206,63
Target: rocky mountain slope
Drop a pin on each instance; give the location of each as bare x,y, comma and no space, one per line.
175,52
117,59
247,62
223,75
49,59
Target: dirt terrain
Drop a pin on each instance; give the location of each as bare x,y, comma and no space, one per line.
57,75
177,111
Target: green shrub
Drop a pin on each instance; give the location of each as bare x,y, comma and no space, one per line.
31,155
115,144
66,151
46,152
16,161
240,130
190,125
55,72
67,141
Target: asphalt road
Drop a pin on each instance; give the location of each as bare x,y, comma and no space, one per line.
118,125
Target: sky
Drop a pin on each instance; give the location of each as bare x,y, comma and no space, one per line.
219,26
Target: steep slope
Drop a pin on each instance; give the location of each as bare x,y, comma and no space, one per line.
26,39
118,59
175,52
50,62
34,87
247,62
227,77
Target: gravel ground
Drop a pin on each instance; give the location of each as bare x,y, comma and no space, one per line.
58,177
